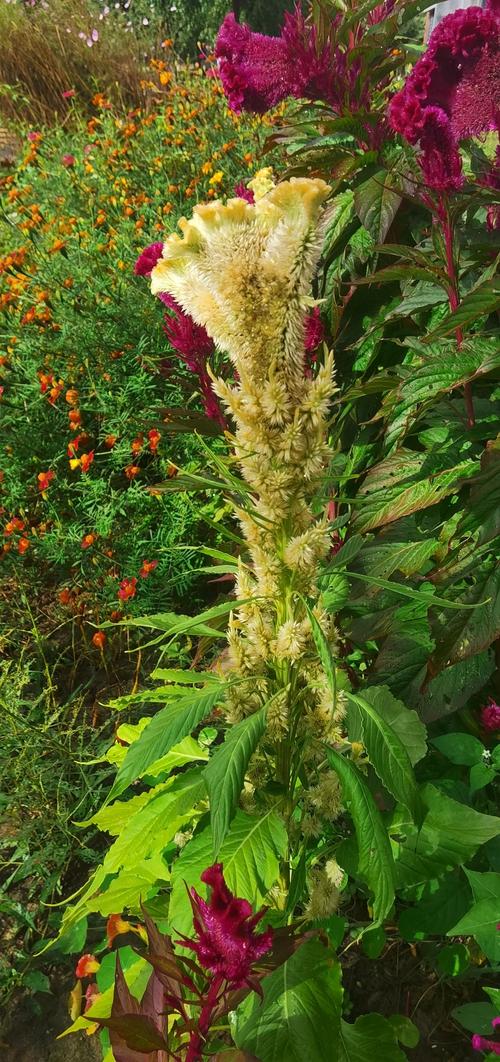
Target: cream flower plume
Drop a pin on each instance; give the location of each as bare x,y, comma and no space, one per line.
243,270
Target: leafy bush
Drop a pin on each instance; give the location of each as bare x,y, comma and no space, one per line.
195,22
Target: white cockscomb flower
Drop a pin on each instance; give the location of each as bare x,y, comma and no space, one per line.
235,257
290,641
324,896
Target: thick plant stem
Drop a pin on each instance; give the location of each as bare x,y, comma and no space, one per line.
454,300
199,1035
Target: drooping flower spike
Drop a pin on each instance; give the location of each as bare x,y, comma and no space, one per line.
452,93
226,942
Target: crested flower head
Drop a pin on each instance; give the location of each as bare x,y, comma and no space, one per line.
242,270
452,92
148,259
224,925
490,716
258,72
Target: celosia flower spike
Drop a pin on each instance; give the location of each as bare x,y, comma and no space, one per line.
490,716
226,943
232,258
452,93
258,72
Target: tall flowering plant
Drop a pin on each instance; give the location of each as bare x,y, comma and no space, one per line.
310,787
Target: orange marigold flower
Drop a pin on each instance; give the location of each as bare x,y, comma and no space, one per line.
87,965
65,596
15,524
154,437
86,461
58,245
99,640
110,441
46,381
147,568
75,419
71,396
68,283
44,480
131,471
23,545
128,588
137,444
88,540
165,77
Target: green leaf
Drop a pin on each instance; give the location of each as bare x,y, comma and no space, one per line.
164,731
399,486
183,678
250,853
299,1017
371,1037
403,721
451,833
442,902
377,202
324,651
476,1017
453,960
373,942
481,923
484,886
388,756
460,748
484,299
375,861
225,773
452,688
481,775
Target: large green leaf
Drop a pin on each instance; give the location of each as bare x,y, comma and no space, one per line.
164,731
384,504
439,906
250,855
388,756
451,833
403,721
225,773
377,201
451,689
371,1037
375,861
482,300
481,922
299,1016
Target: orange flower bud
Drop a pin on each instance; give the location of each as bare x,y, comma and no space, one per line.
99,640
87,965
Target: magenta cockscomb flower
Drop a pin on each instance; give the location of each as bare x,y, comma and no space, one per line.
481,1043
226,942
189,339
452,92
242,192
314,330
258,72
148,259
490,716
193,344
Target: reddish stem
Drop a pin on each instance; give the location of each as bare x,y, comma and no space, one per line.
199,1035
454,300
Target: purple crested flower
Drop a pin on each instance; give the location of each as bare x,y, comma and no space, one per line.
226,943
242,192
490,716
452,92
258,72
148,259
314,330
194,346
